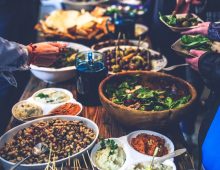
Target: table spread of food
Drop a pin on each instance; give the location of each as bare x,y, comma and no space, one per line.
134,123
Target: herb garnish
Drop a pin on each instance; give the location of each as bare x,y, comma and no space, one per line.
42,95
109,143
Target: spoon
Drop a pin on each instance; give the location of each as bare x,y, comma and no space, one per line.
170,155
174,67
38,149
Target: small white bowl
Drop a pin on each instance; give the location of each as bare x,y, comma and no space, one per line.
67,92
168,163
168,143
21,102
98,146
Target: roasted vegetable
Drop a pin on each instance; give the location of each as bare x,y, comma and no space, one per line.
197,42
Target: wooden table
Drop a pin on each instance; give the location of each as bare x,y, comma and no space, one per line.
108,126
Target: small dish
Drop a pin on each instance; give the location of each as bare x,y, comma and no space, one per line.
180,29
51,96
168,143
177,47
97,147
143,164
25,109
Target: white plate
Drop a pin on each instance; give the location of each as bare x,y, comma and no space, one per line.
54,75
157,64
133,156
8,135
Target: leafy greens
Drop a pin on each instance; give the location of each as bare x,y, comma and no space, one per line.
197,42
131,94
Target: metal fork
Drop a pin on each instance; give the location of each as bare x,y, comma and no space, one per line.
174,67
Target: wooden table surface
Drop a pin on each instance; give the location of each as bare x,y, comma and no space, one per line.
108,126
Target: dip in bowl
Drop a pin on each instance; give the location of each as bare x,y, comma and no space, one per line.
52,96
108,155
167,165
25,109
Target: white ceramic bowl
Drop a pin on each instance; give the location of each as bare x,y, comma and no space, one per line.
73,4
8,135
67,92
168,143
168,163
143,44
156,64
53,75
180,29
98,146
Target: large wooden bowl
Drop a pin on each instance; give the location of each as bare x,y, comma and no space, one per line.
148,119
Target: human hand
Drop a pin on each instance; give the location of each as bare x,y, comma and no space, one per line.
45,53
45,48
201,29
194,62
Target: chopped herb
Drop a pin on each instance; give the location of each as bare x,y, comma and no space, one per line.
42,95
109,143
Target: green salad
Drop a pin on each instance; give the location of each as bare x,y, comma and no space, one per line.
197,42
132,94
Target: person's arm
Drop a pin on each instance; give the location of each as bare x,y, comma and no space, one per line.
13,56
209,68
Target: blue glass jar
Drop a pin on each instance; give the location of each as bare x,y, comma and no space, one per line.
90,72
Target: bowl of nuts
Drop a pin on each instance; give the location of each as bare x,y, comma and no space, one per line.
65,136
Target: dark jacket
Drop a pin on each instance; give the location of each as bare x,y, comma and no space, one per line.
209,68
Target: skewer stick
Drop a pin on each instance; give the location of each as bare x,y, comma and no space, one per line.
85,161
117,47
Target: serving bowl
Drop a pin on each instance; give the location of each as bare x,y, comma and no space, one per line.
147,119
9,135
98,146
55,75
168,143
77,5
123,42
180,29
167,163
157,64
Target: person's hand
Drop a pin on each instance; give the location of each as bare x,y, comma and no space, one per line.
194,62
45,53
201,29
45,48
182,6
